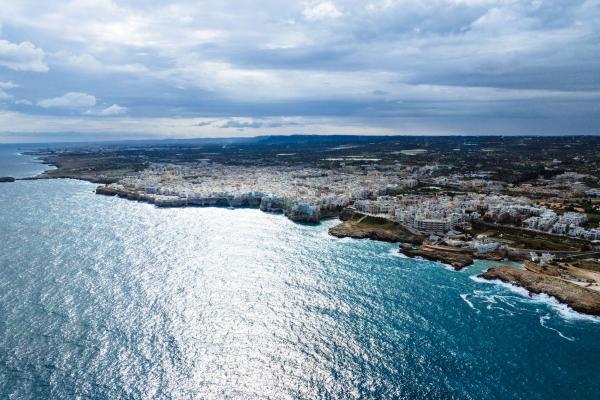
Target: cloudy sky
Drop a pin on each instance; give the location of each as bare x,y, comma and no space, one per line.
108,69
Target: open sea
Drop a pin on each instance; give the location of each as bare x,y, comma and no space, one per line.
105,298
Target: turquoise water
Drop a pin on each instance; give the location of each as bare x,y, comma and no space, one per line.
106,298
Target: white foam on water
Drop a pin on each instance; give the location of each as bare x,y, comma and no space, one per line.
327,236
443,287
447,266
545,318
396,253
471,305
513,288
563,310
494,301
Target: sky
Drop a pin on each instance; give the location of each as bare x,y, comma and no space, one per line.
134,69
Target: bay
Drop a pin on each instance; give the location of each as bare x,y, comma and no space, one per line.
107,298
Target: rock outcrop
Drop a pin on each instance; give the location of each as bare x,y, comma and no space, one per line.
577,297
367,227
7,179
457,258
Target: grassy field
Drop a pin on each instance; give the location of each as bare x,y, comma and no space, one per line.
589,264
524,239
377,222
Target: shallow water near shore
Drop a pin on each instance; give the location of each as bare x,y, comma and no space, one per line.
102,297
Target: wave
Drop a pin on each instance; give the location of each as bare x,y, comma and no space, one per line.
563,310
545,318
446,266
395,253
471,305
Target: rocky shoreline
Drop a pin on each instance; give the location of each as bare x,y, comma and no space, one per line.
457,258
577,297
264,203
361,226
6,179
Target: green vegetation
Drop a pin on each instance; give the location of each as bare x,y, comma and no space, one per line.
593,218
382,223
525,239
364,221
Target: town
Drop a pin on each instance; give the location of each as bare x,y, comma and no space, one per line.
309,193
499,201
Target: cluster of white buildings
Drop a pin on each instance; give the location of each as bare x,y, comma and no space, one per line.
468,183
570,223
439,213
310,190
427,214
543,219
298,188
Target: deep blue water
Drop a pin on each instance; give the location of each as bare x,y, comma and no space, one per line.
107,298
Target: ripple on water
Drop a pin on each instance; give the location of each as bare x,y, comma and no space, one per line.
106,298
525,296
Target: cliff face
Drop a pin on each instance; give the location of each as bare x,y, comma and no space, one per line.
295,212
577,297
268,204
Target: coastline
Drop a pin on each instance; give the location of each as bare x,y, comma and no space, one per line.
357,225
578,298
263,203
353,225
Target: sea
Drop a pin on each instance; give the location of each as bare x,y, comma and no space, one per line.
105,298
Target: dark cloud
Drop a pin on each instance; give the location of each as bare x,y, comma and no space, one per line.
242,125
204,123
257,124
524,65
379,92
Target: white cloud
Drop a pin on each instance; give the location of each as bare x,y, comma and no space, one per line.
8,85
90,64
115,109
69,100
187,58
321,10
22,57
501,19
